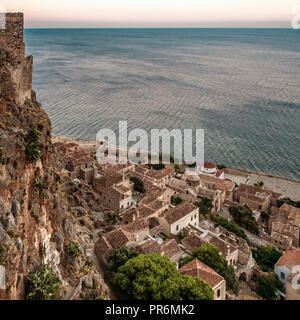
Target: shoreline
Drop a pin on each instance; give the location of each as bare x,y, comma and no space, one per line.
288,187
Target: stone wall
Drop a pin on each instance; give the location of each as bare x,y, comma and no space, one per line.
11,38
16,70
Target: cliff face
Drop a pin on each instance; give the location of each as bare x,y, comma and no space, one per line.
38,209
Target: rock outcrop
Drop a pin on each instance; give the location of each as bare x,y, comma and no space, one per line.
38,221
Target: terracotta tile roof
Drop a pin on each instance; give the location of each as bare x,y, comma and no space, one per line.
102,246
170,248
209,165
194,241
144,211
174,214
206,178
177,184
136,226
198,269
119,237
289,259
149,247
225,185
223,246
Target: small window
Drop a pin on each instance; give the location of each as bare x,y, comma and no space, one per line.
195,216
177,228
282,275
219,293
192,219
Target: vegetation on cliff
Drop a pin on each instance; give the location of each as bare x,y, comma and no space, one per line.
42,285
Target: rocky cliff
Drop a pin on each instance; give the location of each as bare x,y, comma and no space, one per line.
41,214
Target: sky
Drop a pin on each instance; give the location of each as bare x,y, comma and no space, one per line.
154,13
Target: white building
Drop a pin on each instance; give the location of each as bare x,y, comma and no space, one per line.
288,264
179,217
210,169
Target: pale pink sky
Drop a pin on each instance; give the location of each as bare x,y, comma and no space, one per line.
102,13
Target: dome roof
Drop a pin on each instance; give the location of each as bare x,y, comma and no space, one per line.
209,165
193,177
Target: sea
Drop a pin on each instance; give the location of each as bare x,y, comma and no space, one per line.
241,86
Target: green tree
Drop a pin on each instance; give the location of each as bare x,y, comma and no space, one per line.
42,285
265,216
158,166
289,202
138,185
231,279
268,286
120,256
74,250
205,206
193,288
176,166
229,225
155,277
243,216
266,257
210,255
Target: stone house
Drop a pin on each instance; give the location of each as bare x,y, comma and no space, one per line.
284,226
198,269
256,198
118,197
175,219
112,240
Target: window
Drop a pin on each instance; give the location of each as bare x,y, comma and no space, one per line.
191,218
195,216
177,228
282,275
219,293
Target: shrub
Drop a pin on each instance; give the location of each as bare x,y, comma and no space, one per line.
42,285
230,226
176,200
210,255
40,185
221,166
265,216
120,256
289,202
158,166
243,216
259,184
268,286
88,265
205,206
180,236
266,257
73,249
33,144
138,185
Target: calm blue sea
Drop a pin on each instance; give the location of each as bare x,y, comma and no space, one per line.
241,85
